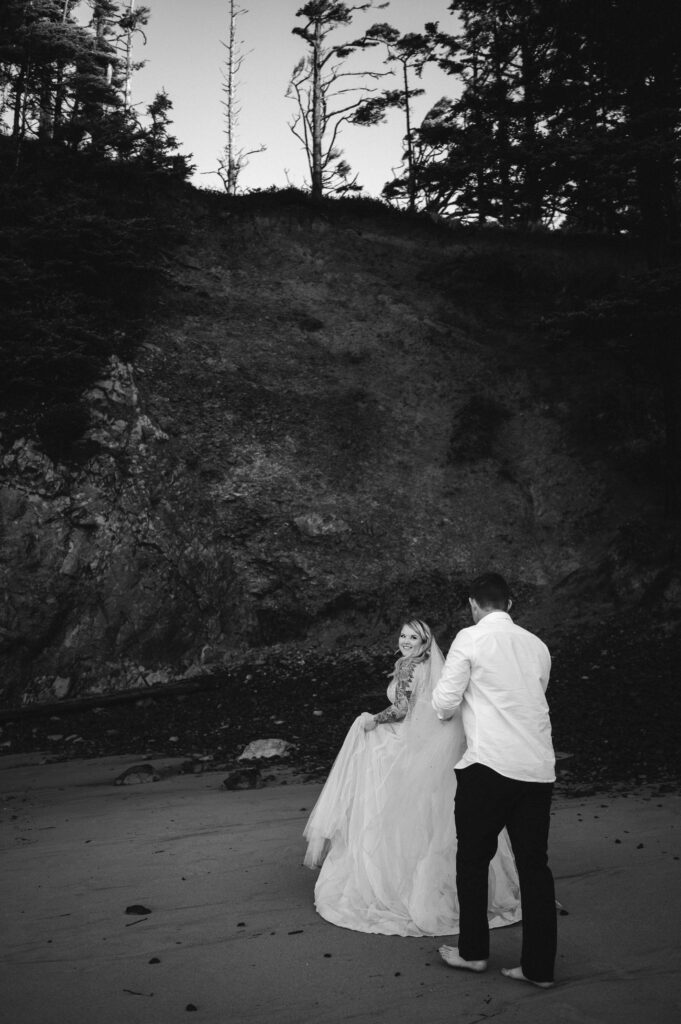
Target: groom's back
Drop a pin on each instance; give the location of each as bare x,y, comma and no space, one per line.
505,714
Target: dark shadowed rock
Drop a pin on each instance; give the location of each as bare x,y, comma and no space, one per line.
244,778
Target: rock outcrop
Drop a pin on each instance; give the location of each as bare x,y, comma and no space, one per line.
315,441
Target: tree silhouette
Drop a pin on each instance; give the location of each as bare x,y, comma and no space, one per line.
233,158
327,95
411,52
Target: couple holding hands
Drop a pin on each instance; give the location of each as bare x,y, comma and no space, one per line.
471,730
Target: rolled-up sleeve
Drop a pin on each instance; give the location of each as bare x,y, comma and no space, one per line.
456,674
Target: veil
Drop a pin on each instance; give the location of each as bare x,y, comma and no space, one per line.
422,726
431,746
418,797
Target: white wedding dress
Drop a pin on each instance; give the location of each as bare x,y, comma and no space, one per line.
383,826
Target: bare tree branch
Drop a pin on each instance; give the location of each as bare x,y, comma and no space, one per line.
233,158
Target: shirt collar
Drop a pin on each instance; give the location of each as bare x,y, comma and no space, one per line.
495,615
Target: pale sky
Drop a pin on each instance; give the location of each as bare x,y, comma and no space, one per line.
184,56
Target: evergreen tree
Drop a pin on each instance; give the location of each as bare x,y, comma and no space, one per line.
497,158
623,69
66,82
569,113
157,150
98,81
411,52
325,99
40,45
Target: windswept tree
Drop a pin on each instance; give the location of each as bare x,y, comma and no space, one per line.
484,57
233,158
485,151
410,52
436,190
328,95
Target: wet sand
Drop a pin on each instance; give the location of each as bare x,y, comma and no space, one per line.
233,929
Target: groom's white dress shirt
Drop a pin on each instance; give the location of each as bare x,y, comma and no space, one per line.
498,672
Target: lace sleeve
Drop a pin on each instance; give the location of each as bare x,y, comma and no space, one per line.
398,709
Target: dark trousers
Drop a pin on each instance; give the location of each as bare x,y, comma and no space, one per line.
486,802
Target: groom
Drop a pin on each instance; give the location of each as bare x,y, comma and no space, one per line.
498,673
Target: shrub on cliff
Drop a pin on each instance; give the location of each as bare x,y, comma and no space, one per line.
80,245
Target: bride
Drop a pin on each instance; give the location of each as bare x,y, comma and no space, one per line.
383,826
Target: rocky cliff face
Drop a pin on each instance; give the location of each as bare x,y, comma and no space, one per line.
316,439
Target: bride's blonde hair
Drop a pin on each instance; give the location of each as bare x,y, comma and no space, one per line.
404,666
422,630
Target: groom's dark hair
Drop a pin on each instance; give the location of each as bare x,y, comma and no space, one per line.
490,591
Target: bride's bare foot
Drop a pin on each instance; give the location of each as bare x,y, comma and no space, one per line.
450,955
517,974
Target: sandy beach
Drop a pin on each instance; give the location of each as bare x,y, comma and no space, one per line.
231,930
